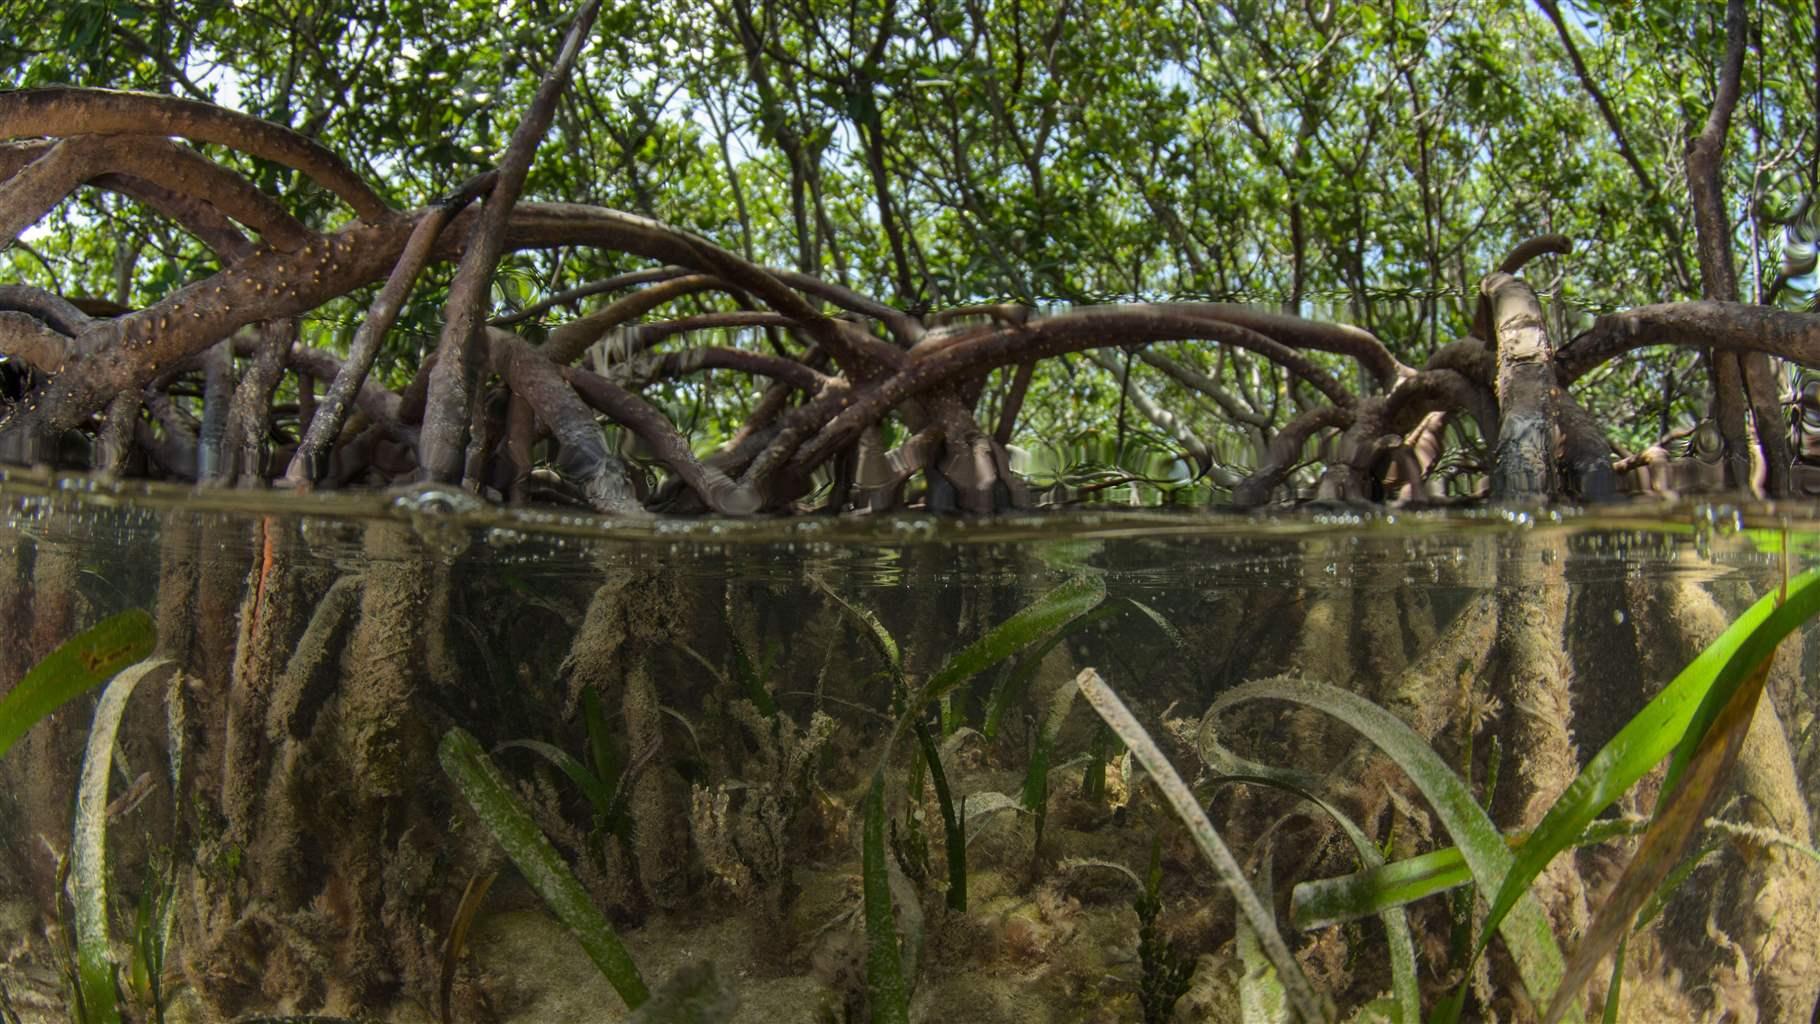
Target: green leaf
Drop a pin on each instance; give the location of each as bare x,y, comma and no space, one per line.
1309,1004
1742,665
1327,901
1526,930
88,846
1042,616
874,630
593,787
1671,830
887,995
78,665
1018,676
1261,996
1406,1004
953,826
1323,901
1036,777
487,791
1652,733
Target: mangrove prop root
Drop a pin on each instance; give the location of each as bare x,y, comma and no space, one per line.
1535,687
1770,912
659,820
271,606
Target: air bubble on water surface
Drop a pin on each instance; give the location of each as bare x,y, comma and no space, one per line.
434,512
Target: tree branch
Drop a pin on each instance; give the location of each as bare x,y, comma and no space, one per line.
448,409
61,111
309,463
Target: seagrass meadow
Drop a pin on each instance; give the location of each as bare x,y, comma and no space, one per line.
909,511
405,757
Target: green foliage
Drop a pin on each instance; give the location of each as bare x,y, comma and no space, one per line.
1353,161
954,823
487,791
88,846
1047,614
1663,725
1405,1004
1036,777
78,665
1729,673
1324,901
1164,973
1307,1003
1525,929
151,937
472,896
886,990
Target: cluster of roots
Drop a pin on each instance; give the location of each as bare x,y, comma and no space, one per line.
287,779
520,407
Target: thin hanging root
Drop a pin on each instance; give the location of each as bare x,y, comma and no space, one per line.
461,350
1772,909
309,464
290,715
244,437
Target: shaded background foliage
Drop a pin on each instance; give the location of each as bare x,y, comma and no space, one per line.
1365,162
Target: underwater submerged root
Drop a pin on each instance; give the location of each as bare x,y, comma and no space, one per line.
318,736
1763,922
37,768
1535,684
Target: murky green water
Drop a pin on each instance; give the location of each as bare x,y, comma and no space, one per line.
721,690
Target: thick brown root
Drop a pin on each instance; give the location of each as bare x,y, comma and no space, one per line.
1766,918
